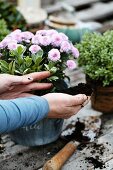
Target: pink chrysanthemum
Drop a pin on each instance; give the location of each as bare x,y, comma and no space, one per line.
12,46
51,32
34,49
35,39
54,54
56,40
75,52
27,35
41,32
64,37
44,40
71,64
6,41
65,46
16,31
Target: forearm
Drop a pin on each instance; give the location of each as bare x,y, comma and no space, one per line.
21,112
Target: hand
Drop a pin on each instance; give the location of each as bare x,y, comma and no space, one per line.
64,105
12,86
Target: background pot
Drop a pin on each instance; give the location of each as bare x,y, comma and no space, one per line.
102,99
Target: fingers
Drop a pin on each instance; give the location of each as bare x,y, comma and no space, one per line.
26,79
76,108
37,86
16,80
31,87
78,99
86,102
39,75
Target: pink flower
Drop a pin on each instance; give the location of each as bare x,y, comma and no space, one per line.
44,40
56,40
1,45
6,41
51,32
75,52
12,46
71,64
65,46
41,32
64,37
54,54
16,31
34,49
35,39
27,35
17,37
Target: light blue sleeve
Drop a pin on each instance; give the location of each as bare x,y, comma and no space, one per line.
21,112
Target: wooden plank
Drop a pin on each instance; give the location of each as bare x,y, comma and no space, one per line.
96,12
29,159
77,3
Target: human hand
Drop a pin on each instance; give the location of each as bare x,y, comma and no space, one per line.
64,105
12,86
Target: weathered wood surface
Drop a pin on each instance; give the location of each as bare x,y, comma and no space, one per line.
77,3
78,161
96,12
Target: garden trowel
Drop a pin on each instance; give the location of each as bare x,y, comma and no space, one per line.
83,132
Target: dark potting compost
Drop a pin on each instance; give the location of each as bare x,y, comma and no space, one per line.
81,88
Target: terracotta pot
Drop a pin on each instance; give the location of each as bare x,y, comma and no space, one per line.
102,99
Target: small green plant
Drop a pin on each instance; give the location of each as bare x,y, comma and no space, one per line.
12,16
3,29
96,57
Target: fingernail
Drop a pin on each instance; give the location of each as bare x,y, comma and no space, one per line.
30,78
82,105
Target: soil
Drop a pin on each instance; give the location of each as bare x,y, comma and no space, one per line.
81,88
96,163
78,133
99,150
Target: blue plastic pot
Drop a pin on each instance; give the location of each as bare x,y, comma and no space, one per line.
44,132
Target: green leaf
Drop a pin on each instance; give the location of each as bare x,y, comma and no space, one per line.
27,71
51,64
4,64
38,61
47,67
36,56
12,67
20,60
28,61
40,53
53,70
13,53
53,78
20,50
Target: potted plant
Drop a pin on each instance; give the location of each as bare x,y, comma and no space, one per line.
24,52
96,59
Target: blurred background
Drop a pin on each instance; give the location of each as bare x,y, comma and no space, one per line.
73,18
